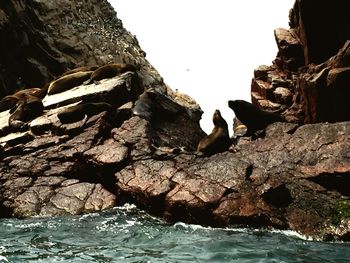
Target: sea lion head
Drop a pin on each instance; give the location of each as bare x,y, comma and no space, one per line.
218,120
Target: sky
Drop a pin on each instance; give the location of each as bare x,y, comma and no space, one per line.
207,49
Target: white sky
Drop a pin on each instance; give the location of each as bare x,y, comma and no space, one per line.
207,49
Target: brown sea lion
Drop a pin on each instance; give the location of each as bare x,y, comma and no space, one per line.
10,101
28,108
218,140
80,69
68,81
251,116
109,71
78,112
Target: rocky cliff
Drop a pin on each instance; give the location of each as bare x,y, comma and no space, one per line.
308,81
294,177
41,39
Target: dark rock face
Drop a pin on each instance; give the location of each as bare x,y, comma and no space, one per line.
42,39
311,64
295,177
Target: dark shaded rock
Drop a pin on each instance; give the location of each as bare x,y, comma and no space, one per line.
43,39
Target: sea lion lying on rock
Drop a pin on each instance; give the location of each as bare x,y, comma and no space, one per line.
80,111
251,116
80,69
109,71
218,140
68,82
28,108
10,101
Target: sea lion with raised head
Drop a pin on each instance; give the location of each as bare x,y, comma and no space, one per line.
79,112
218,140
251,116
110,71
68,82
28,108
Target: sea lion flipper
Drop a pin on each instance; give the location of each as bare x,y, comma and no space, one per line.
88,82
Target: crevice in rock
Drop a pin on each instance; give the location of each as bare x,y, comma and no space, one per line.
183,212
5,212
251,221
338,182
155,205
279,197
249,172
293,130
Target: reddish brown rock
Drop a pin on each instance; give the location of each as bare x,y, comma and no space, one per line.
294,177
315,45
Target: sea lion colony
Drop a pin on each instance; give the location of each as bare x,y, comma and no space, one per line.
27,104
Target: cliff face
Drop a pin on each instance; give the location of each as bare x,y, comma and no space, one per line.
309,79
41,39
143,150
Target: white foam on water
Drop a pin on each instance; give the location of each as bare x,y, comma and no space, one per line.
3,259
191,226
288,233
127,207
291,233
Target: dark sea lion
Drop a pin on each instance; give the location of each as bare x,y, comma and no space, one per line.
110,71
28,108
145,105
218,140
251,116
80,69
68,82
78,112
152,104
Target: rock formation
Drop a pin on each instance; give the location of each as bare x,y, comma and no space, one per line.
294,177
308,79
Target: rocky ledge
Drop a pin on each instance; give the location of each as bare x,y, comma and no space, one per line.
295,176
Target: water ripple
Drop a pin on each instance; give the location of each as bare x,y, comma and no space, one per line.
129,235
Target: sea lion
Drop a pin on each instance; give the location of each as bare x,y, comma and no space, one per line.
109,71
251,116
10,101
88,109
145,106
218,140
68,81
28,108
80,69
152,104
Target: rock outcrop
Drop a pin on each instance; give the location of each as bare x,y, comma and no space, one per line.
308,81
293,177
42,39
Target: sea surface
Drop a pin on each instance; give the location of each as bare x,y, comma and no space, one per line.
127,234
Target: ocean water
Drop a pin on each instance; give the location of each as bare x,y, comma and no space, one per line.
128,235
